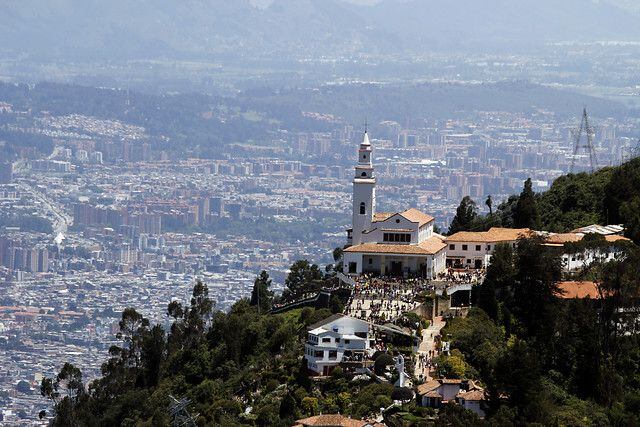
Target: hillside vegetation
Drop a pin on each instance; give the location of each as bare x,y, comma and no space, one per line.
542,360
608,196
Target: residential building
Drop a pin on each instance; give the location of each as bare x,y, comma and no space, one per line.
439,392
576,257
331,340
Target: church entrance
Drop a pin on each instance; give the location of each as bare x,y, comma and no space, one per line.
396,268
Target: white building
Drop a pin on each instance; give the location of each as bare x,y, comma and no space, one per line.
388,243
473,249
576,259
331,340
439,392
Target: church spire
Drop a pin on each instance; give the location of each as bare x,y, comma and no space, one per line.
365,140
364,191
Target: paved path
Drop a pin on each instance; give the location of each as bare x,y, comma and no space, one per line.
428,344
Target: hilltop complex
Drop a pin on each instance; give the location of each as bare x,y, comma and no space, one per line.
404,244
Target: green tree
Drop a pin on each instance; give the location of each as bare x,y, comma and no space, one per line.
466,214
526,211
67,392
497,285
381,362
536,287
630,212
310,405
455,415
261,295
303,277
453,366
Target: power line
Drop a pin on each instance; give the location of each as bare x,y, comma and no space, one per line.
585,127
180,417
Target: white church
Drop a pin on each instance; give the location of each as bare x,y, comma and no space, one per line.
388,243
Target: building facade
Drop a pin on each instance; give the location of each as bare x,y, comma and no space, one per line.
332,340
388,243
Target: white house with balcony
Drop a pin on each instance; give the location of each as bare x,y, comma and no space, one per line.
388,243
336,339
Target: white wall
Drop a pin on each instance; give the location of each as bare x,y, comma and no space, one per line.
472,252
391,224
578,261
426,231
363,191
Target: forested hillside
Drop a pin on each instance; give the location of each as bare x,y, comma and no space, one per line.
609,196
542,359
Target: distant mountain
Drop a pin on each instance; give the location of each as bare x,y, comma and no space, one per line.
135,29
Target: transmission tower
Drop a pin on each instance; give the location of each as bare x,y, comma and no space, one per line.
180,417
585,127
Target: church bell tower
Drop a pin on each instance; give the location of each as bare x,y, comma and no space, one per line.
364,192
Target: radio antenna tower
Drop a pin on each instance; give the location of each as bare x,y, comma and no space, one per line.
585,127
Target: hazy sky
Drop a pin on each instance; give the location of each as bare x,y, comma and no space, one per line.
264,3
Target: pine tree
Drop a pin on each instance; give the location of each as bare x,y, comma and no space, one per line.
261,295
466,214
526,211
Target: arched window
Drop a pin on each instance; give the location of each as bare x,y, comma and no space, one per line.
363,208
363,174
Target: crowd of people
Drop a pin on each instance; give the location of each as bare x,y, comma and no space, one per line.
426,364
461,276
380,300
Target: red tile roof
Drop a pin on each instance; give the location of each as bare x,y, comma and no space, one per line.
494,235
430,246
582,289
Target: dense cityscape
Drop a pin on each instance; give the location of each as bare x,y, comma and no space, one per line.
113,222
357,213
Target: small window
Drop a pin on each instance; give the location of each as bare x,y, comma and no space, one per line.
465,247
478,248
318,353
363,208
397,221
488,247
347,341
364,156
370,261
452,247
333,354
468,261
337,340
363,174
324,340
